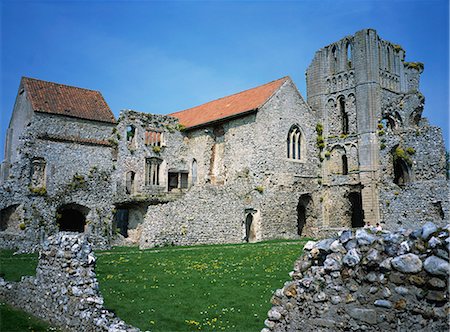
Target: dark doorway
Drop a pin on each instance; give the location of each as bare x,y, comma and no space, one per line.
302,212
401,172
173,181
129,186
121,221
357,211
248,225
71,220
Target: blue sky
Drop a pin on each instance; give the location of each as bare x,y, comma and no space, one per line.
161,57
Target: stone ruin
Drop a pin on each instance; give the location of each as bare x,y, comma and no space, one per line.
261,164
368,281
65,291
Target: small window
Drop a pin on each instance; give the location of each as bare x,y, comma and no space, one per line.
131,133
194,171
152,171
294,143
349,55
153,138
178,180
344,116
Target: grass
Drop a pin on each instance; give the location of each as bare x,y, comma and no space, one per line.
13,320
197,288
202,288
13,267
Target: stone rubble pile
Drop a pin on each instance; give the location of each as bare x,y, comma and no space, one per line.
65,290
369,280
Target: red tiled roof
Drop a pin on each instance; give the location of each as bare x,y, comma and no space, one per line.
230,106
55,98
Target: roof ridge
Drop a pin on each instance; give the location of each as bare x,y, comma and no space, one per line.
56,83
233,94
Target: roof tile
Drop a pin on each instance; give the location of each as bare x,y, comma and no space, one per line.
229,106
55,98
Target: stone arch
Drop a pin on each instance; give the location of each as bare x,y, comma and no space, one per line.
304,212
72,217
402,172
295,143
335,163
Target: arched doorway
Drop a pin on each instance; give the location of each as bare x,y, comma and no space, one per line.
401,172
249,235
72,218
357,212
303,212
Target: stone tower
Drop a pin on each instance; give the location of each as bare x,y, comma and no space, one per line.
346,84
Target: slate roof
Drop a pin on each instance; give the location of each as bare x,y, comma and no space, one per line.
55,98
230,106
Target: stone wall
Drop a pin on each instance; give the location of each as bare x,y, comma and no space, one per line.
369,280
64,291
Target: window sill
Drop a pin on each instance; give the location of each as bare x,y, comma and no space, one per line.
297,161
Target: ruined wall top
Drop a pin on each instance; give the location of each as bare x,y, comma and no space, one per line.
363,57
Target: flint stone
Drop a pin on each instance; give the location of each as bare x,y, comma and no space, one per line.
274,314
324,245
436,283
436,266
333,262
434,242
351,258
383,304
309,245
346,236
366,315
364,238
428,229
336,246
401,290
408,263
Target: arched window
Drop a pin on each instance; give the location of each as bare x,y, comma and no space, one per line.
334,58
294,143
194,172
344,165
388,55
349,55
344,116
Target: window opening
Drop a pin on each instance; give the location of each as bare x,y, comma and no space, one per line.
344,116
294,146
152,171
130,182
153,138
344,164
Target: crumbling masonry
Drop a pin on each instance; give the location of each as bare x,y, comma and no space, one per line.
260,164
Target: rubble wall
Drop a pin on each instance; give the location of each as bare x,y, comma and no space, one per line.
369,280
65,290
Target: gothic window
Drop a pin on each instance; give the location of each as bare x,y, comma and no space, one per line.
349,55
344,116
153,138
334,59
388,59
294,143
38,166
152,171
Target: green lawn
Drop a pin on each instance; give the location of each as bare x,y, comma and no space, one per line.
207,288
13,320
13,267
